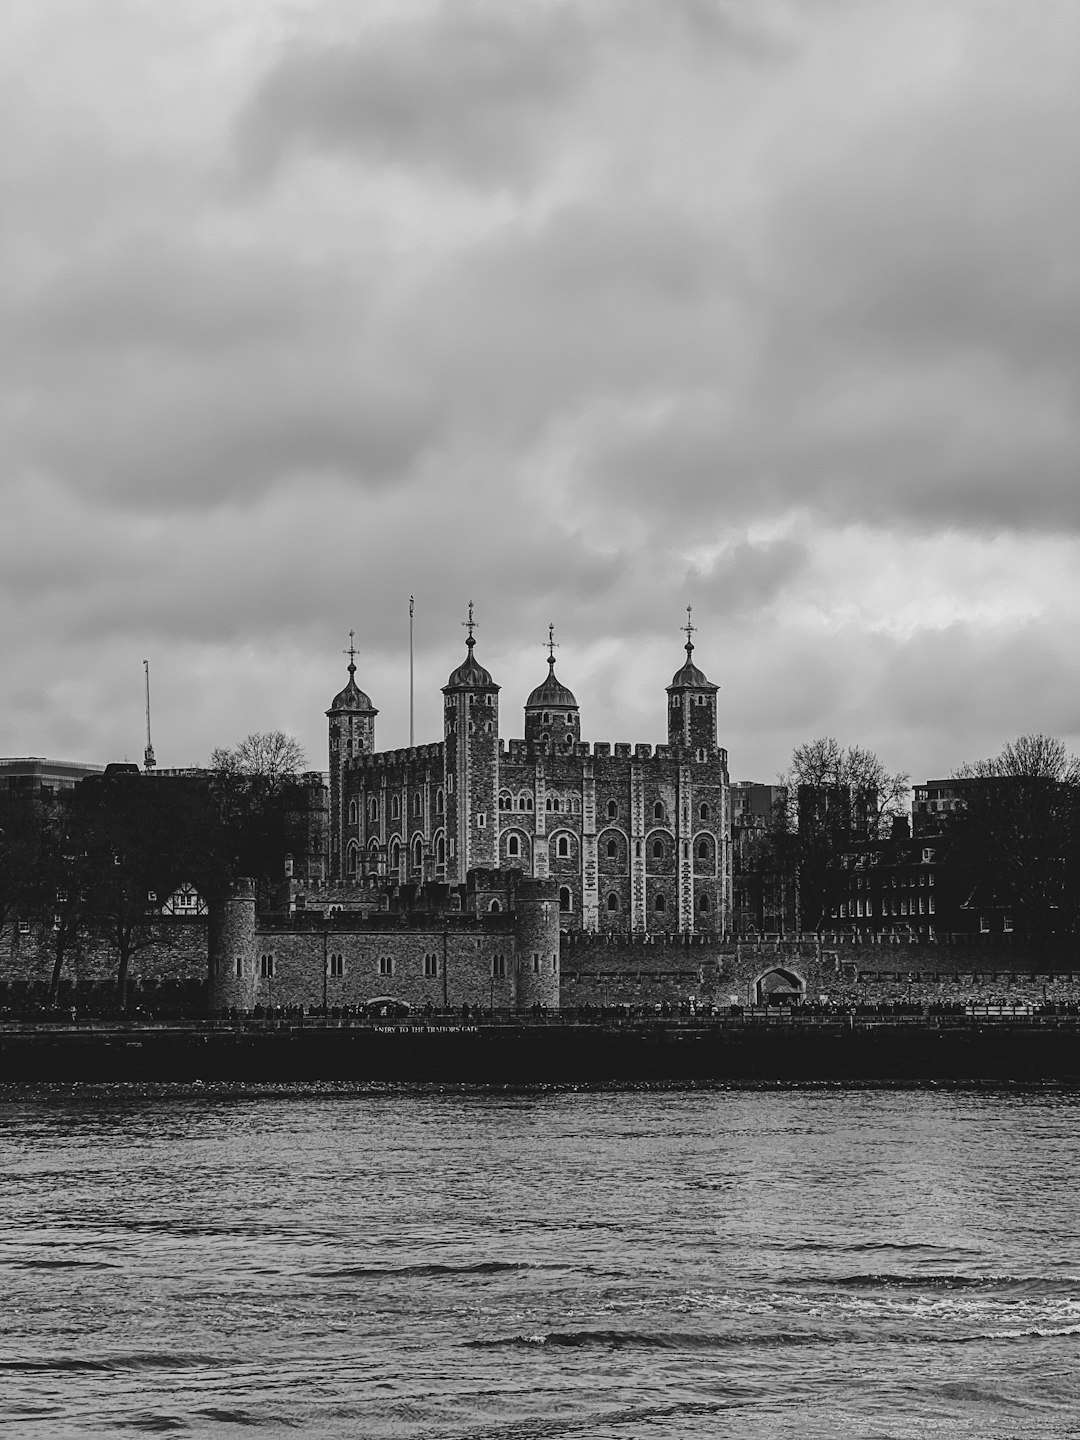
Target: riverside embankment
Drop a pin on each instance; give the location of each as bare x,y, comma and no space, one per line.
548,1051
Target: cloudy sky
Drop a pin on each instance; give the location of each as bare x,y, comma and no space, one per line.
585,311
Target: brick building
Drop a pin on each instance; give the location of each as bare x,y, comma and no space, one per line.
637,838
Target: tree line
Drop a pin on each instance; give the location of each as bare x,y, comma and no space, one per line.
1015,836
95,864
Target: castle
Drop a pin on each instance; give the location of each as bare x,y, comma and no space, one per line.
636,838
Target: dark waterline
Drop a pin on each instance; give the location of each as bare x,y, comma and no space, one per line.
401,1262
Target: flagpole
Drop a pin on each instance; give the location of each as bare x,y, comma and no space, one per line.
412,737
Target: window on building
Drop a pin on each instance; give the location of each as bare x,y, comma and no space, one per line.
612,810
703,812
536,964
481,821
417,804
494,908
266,966
337,965
613,903
439,806
418,854
498,966
354,812
565,900
395,807
984,924
1006,921
239,965
612,849
703,903
660,904
513,846
504,802
563,847
395,857
386,964
658,850
658,811
431,965
350,860
528,802
24,927
699,756
546,717
440,851
703,850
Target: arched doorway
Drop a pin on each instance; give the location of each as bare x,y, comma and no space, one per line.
780,987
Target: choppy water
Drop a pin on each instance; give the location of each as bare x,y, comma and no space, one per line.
349,1262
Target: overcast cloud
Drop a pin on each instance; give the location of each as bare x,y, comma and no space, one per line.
584,311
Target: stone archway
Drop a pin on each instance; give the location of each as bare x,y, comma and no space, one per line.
779,987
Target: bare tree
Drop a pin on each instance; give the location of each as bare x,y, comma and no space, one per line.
1018,838
271,757
835,796
250,785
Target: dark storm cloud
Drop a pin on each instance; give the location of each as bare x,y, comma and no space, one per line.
471,91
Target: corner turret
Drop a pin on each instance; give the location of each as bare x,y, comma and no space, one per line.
351,732
692,705
552,716
471,718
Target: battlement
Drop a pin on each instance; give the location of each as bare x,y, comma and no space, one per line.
398,759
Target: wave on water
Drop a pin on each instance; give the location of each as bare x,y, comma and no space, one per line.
378,1272
886,1280
35,1264
105,1363
648,1340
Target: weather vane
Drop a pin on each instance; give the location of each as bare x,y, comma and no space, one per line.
470,623
688,627
351,651
551,643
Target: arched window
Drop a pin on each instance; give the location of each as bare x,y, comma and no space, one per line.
354,812
547,803
700,756
373,811
565,902
613,903
528,802
504,802
659,904
563,849
417,804
658,850
612,810
546,719
703,850
703,812
395,856
612,849
418,853
513,846
703,903
658,811
440,851
395,807
350,860
439,801
494,908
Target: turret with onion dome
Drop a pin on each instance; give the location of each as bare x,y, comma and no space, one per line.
471,719
551,711
692,704
352,732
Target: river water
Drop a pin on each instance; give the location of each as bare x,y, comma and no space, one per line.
353,1261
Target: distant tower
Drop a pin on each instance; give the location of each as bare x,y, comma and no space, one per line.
471,716
352,732
551,711
148,754
692,704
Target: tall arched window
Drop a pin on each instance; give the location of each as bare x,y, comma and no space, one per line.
660,904
612,810
354,812
658,811
440,851
563,847
395,856
703,812
565,899
350,859
373,811
612,849
439,801
613,903
658,850
703,850
418,853
703,903
513,846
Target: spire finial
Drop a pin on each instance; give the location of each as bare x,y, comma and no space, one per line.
470,625
551,645
689,628
351,652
